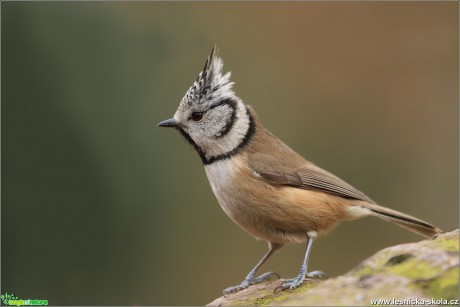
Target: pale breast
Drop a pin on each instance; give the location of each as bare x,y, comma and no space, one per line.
247,200
219,175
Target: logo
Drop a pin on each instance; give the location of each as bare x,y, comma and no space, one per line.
10,299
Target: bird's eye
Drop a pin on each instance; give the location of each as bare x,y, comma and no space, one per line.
197,116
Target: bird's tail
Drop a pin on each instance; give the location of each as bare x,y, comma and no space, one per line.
404,220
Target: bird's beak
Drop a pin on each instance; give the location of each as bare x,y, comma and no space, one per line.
168,123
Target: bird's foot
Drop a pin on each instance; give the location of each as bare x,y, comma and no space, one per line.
250,280
317,275
295,282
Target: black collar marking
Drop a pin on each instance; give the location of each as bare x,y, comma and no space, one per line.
237,149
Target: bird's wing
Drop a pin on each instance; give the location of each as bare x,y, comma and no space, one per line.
307,176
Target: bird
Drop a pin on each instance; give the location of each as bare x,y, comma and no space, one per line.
263,185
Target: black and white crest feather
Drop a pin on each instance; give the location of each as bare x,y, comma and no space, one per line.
211,85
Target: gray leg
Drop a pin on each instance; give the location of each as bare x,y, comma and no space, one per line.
250,278
298,280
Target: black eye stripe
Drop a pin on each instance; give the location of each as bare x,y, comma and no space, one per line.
197,116
230,102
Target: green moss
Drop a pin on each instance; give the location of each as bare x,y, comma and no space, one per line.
405,265
268,297
449,244
363,271
376,266
442,287
414,269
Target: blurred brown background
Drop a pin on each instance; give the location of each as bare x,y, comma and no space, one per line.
101,207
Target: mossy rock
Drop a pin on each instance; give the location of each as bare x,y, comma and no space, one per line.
261,294
427,270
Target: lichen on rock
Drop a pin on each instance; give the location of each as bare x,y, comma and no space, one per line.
426,270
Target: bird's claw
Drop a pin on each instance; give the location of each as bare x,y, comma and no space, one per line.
250,281
290,284
317,275
264,277
295,282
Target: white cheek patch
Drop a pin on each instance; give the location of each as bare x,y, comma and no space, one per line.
214,145
218,121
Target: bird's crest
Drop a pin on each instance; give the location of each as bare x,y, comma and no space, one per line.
210,84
